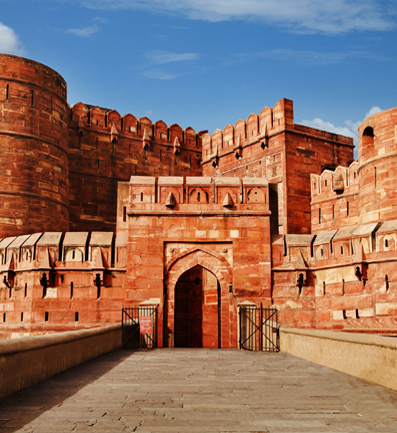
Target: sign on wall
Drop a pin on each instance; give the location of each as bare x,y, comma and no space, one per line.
145,323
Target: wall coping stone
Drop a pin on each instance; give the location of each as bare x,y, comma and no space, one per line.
25,344
348,337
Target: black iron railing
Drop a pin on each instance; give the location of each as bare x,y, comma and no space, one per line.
258,328
139,327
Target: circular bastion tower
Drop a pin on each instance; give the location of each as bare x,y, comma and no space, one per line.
378,167
34,172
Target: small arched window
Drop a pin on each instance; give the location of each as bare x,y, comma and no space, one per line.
368,132
368,138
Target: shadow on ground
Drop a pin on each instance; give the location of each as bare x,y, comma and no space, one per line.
21,408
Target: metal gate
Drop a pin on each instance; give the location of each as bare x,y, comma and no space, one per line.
139,327
258,328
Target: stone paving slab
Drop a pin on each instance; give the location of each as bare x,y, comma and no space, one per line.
200,390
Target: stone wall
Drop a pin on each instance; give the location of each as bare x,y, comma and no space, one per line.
105,148
34,168
369,357
30,360
271,145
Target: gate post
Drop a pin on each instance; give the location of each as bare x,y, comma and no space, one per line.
149,309
246,326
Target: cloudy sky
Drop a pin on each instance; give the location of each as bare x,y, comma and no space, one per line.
207,63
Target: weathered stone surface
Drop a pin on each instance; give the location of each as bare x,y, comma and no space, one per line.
199,390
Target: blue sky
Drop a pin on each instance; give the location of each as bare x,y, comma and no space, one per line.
207,63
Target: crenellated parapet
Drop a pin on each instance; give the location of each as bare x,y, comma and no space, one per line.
334,198
271,145
106,148
238,139
55,281
88,118
54,251
253,138
198,194
337,279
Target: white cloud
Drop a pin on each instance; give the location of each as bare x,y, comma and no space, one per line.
350,129
156,74
100,20
162,57
323,125
9,41
85,31
373,111
299,16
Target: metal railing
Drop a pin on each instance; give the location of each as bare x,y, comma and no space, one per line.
258,328
139,327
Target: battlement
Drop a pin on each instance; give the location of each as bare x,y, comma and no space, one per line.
334,198
97,119
257,127
56,250
202,194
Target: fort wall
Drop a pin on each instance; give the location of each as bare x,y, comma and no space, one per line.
283,216
34,177
378,168
105,148
271,145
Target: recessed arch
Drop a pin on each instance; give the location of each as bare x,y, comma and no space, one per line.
220,268
367,139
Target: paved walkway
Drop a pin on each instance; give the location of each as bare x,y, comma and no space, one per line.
200,390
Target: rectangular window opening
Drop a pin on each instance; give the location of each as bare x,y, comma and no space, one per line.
7,92
21,317
124,214
46,316
76,316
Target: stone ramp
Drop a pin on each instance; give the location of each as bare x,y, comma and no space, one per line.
200,390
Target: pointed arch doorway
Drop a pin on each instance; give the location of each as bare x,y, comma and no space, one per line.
197,313
199,309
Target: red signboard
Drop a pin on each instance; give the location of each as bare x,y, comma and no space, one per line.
145,323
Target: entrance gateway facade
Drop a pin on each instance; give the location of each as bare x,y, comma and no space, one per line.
197,247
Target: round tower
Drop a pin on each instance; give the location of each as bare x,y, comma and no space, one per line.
34,171
378,167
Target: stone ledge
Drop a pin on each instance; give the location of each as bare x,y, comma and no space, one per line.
369,357
27,361
24,344
368,339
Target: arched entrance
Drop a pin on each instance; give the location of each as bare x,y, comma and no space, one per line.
197,315
199,308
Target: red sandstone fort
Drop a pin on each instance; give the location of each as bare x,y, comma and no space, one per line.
100,212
